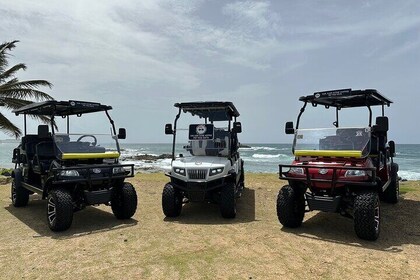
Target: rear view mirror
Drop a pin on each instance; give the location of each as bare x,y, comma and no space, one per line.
122,133
391,148
381,124
289,128
168,129
237,127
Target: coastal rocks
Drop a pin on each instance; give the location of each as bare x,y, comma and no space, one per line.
147,157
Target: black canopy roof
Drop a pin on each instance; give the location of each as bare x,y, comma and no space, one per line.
61,108
346,98
213,110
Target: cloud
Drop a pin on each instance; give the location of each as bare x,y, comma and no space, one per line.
254,15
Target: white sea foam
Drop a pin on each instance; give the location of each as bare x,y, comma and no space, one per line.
265,156
409,175
258,148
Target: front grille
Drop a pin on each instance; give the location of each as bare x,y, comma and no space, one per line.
197,173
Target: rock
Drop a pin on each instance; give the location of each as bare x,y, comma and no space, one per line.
4,180
147,157
244,146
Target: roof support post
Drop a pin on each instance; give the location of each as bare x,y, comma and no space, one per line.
336,117
68,125
174,138
24,123
370,116
300,114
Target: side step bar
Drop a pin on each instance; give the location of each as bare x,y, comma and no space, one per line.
32,188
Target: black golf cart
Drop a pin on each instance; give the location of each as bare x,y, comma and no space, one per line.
211,169
346,169
71,170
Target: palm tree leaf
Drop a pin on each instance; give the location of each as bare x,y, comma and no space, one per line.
14,83
11,72
8,127
24,93
3,53
15,94
14,103
7,46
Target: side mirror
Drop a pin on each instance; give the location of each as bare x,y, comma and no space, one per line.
381,124
391,148
16,156
168,129
289,128
122,133
237,127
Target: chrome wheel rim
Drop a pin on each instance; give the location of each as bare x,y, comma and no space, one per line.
51,211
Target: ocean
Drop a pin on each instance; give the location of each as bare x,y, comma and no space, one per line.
259,158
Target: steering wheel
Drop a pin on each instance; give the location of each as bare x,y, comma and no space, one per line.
95,141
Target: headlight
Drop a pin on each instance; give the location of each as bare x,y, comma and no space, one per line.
117,170
215,171
69,173
180,171
297,170
355,173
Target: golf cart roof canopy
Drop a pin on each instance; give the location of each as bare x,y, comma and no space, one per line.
214,111
347,98
61,108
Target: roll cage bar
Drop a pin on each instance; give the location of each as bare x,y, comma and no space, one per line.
210,111
64,109
345,98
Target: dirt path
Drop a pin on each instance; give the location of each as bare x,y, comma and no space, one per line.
200,244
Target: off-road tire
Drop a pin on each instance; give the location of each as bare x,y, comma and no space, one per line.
290,206
171,201
367,216
124,201
228,201
59,209
19,195
392,193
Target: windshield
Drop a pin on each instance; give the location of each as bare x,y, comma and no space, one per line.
219,145
346,142
102,145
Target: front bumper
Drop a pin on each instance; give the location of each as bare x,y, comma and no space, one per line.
334,180
89,175
197,190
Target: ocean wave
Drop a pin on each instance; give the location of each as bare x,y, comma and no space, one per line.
409,175
259,148
268,156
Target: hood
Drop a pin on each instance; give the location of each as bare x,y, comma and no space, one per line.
333,162
200,162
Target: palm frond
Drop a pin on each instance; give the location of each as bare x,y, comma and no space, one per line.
3,53
7,46
11,72
8,127
24,93
15,94
13,104
15,83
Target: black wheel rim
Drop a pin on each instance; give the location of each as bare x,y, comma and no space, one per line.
13,192
51,211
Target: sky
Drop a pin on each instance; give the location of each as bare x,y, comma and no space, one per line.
143,56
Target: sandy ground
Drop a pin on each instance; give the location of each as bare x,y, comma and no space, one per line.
202,245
